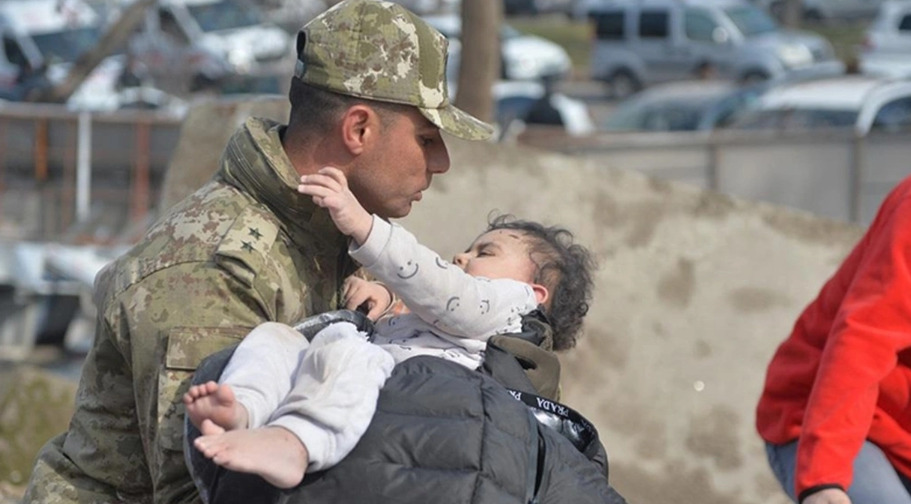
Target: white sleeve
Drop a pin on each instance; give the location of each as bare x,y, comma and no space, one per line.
439,292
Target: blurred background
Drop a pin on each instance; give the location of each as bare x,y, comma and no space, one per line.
800,103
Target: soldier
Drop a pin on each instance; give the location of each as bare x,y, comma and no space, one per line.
369,96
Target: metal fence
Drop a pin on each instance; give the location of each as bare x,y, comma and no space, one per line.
834,174
64,172
79,177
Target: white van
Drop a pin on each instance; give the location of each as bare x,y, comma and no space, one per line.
189,45
41,39
638,43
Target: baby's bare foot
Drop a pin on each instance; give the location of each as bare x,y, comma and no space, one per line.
216,403
271,452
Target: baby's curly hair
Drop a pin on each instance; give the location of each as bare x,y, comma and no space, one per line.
564,267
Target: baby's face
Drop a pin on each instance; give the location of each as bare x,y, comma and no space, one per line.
501,253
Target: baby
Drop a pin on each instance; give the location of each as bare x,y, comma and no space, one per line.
284,405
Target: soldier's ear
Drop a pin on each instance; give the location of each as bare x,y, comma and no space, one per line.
360,127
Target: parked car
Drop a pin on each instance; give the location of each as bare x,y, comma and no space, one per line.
641,43
290,15
189,45
886,49
520,104
42,39
863,103
524,56
428,7
683,106
535,7
824,10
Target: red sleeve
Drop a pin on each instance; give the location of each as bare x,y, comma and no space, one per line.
871,327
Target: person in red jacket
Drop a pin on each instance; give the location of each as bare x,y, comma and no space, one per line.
835,411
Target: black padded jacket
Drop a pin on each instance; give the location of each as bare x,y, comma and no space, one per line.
441,434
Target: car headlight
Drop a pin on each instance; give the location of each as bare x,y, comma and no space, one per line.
794,55
527,64
240,58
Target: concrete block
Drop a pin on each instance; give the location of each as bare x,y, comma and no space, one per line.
35,405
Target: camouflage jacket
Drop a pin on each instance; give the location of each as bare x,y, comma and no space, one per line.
244,249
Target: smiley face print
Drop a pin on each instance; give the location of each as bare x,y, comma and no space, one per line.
408,270
453,304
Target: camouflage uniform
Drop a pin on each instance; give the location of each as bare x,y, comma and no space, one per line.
244,249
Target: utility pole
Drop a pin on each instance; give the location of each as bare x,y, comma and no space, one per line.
480,58
792,14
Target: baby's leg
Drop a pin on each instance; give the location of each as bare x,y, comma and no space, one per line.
271,452
331,404
216,403
334,394
262,367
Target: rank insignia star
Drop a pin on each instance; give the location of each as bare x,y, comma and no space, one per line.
255,233
247,246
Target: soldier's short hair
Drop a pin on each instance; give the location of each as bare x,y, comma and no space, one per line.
316,110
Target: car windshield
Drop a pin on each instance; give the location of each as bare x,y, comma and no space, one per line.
66,46
797,119
656,117
224,15
453,30
751,20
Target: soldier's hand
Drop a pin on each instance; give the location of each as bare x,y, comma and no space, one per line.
329,189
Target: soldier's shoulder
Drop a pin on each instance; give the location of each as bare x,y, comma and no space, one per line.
245,248
217,224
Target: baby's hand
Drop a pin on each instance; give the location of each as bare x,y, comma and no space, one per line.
329,189
359,291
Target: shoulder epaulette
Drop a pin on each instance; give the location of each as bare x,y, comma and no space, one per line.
244,248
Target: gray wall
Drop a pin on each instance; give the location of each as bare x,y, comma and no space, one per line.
694,292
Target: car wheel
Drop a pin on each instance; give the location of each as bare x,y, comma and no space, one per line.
812,15
753,76
201,83
776,9
622,84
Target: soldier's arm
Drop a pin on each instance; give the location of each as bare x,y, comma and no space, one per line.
171,321
124,440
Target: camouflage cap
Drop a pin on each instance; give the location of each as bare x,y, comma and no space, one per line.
380,51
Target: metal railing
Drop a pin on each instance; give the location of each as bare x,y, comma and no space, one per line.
63,171
834,174
76,177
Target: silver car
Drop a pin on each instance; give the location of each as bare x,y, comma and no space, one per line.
523,56
683,106
887,45
825,10
864,103
637,44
